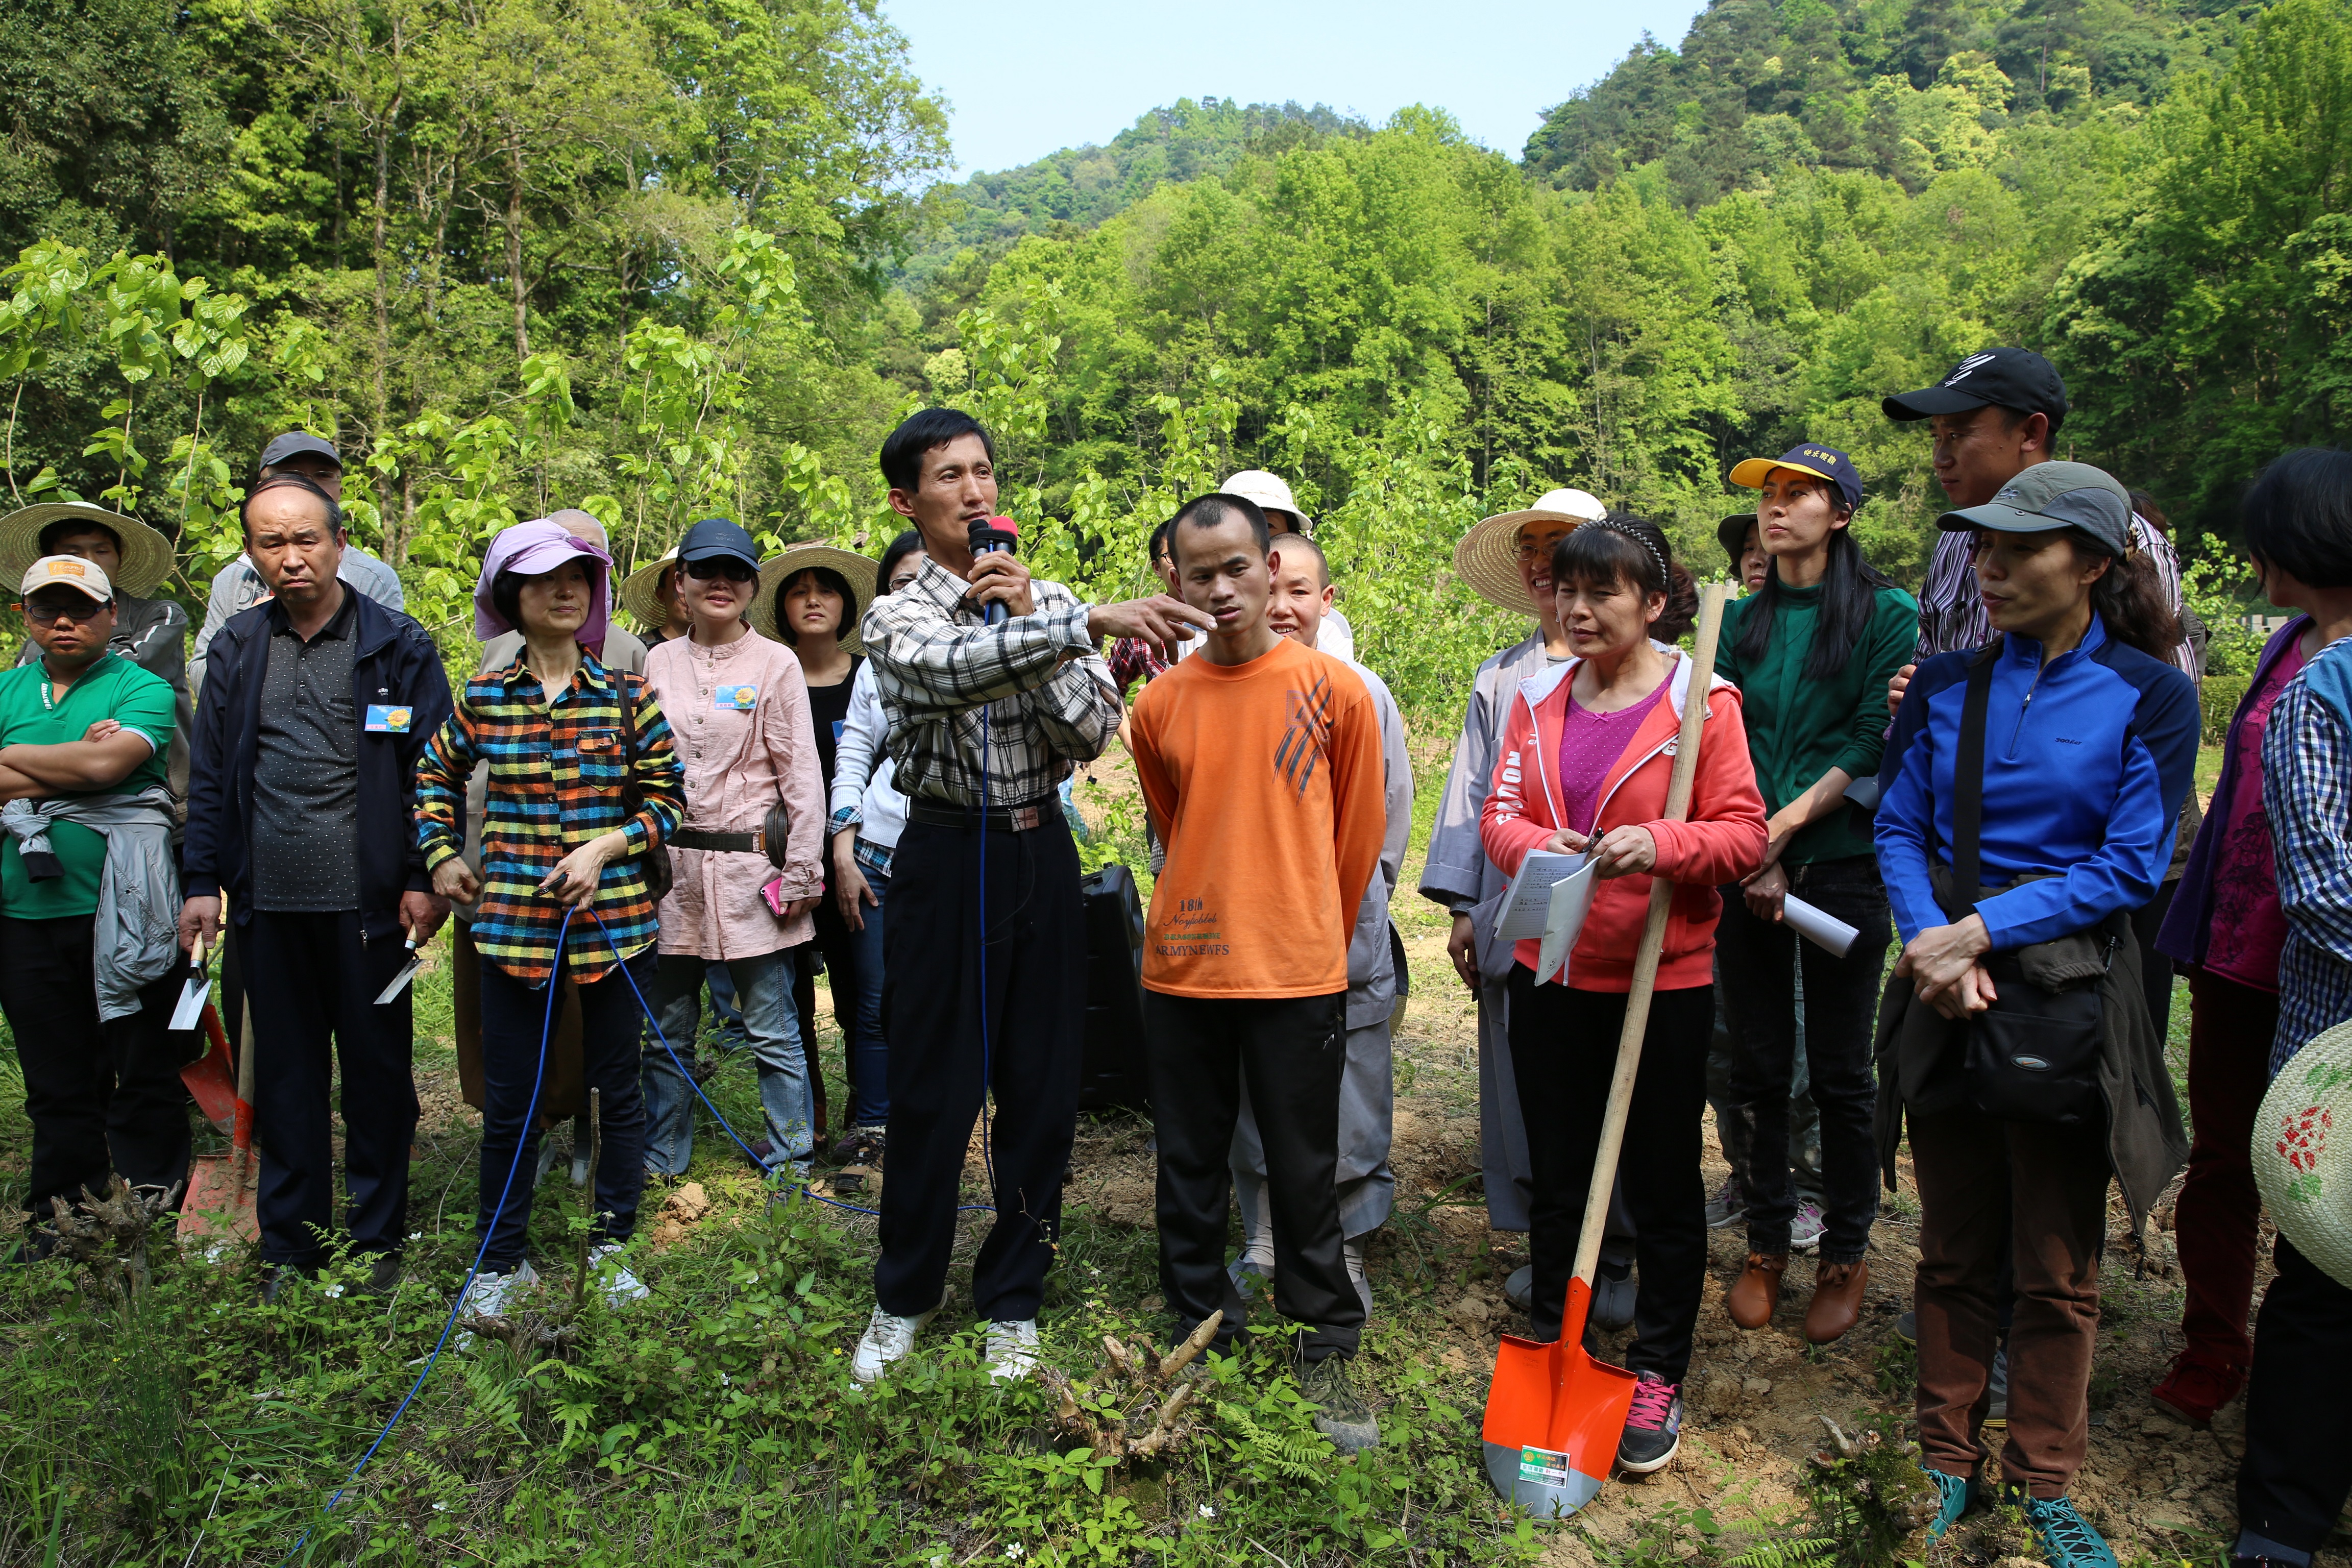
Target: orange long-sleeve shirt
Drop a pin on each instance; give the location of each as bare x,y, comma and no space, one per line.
1264,780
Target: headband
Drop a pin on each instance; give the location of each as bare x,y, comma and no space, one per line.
1624,529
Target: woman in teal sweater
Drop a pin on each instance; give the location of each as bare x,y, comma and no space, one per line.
1811,651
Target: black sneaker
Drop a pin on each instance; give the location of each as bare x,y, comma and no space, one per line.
383,1275
1342,1415
1653,1428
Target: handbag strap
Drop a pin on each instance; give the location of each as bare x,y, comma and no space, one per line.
1967,783
633,799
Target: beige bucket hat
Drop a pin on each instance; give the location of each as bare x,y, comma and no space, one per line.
2303,1151
1270,494
857,570
1488,556
637,591
146,554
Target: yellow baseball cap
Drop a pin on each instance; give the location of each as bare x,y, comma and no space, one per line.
70,571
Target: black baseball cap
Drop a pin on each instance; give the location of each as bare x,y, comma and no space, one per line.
2010,378
295,443
715,536
1805,457
1732,534
2044,496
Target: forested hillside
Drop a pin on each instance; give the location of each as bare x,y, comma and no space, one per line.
685,258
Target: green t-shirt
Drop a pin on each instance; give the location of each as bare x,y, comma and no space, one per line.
115,689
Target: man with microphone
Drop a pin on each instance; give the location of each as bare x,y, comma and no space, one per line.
993,687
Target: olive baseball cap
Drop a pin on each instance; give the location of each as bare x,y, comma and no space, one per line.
2055,495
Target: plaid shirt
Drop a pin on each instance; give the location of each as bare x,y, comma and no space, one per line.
1952,617
556,773
1132,660
936,662
2308,795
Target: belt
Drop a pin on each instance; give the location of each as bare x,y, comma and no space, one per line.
1021,818
739,842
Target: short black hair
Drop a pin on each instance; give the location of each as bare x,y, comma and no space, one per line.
927,430
826,577
65,526
905,544
287,480
1209,512
2298,516
1157,545
2013,417
1306,541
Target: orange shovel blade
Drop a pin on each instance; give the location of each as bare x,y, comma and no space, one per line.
210,1081
216,1203
1554,1416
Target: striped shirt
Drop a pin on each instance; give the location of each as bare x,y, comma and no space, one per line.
556,773
1952,617
2308,795
1048,693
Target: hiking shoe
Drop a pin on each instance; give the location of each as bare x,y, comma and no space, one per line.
1341,1412
618,1284
2065,1537
1997,1406
1653,1428
888,1339
1907,1327
1728,1205
1952,1492
1354,1253
1805,1230
1519,1290
1612,1295
383,1275
1011,1350
2194,1389
860,1154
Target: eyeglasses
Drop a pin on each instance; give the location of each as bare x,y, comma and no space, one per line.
727,566
80,612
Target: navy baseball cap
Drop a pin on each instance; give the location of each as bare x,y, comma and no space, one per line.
295,443
2055,495
716,536
1806,458
2010,378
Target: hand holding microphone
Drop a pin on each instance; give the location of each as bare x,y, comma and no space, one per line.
1000,581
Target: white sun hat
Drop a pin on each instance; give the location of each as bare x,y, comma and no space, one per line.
2303,1151
1270,494
1488,556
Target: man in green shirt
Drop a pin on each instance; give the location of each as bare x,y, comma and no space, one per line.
88,731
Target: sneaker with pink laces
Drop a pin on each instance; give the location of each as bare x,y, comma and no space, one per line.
2195,1388
1653,1428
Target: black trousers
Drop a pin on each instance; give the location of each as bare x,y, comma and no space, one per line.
312,981
1292,1052
514,1027
2298,1463
1563,1053
2155,968
1758,961
101,1097
1031,949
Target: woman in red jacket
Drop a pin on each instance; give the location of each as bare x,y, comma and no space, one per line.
1587,752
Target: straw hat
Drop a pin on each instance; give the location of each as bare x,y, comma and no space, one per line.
857,570
1488,556
637,591
146,554
2303,1158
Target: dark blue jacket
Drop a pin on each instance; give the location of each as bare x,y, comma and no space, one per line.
2188,925
396,665
2086,764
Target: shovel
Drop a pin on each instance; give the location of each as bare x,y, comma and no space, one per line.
193,994
210,1083
219,1201
1554,1415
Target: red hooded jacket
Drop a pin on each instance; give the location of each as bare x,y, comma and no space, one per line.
1723,840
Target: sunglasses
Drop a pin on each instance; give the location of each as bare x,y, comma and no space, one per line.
80,612
726,567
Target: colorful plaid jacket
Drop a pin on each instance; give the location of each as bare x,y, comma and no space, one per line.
556,773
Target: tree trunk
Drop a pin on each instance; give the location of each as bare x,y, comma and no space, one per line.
514,247
395,542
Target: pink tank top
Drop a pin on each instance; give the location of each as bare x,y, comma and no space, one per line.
1589,745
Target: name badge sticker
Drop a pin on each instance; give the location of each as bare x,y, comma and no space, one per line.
385,720
736,699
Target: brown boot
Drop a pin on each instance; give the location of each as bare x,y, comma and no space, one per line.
1837,1300
1751,1300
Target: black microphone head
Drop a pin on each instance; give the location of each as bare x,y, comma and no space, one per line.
994,534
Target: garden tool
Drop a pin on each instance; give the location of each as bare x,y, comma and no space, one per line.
192,995
399,983
1554,1413
219,1201
209,1078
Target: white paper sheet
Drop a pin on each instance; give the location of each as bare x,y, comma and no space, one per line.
1572,896
1821,929
1526,908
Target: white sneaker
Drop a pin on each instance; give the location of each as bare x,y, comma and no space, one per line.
1011,1350
619,1284
1805,1230
888,1339
490,1295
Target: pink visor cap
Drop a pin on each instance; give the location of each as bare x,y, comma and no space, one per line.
529,549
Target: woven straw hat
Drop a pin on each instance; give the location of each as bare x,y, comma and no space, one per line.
2303,1151
1488,556
146,554
857,570
637,591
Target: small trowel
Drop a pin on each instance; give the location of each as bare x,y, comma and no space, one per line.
400,981
193,994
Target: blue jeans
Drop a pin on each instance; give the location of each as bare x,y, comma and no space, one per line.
728,1035
869,1067
763,986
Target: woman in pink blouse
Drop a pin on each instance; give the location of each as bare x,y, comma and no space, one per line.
738,709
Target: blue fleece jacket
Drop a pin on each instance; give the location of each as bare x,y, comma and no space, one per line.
2086,764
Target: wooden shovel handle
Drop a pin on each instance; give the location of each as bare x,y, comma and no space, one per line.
1712,597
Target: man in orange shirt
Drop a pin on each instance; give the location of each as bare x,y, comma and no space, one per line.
1260,763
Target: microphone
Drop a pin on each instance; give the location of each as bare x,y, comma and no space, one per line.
994,534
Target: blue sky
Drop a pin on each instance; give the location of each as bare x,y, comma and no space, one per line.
1025,77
